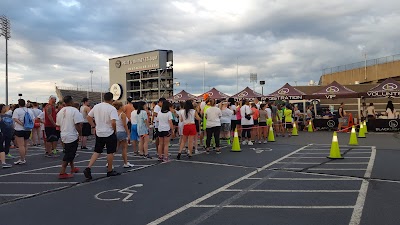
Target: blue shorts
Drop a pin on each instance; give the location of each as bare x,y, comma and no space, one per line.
122,135
134,133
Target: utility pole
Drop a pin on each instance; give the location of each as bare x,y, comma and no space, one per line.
5,31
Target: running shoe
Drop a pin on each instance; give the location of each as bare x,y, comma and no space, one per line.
178,157
9,156
65,176
107,166
75,170
265,142
6,165
50,155
250,143
259,142
165,159
39,145
84,148
218,151
88,173
160,158
55,151
20,162
113,173
148,156
196,151
128,165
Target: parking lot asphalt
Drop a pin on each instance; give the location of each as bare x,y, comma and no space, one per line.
289,181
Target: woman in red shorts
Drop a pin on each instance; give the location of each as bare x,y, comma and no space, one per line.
188,118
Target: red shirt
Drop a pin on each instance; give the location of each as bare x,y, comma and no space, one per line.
47,122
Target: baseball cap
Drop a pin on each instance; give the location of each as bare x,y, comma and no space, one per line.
52,96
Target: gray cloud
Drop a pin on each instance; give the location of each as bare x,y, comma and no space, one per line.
282,41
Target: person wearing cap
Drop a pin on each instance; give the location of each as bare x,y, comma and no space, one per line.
70,120
50,127
86,128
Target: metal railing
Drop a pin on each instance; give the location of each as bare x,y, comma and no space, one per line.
370,62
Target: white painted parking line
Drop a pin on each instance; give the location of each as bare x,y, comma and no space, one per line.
43,168
197,201
357,212
38,182
294,191
310,157
28,173
310,179
321,153
14,195
330,163
210,163
275,207
335,169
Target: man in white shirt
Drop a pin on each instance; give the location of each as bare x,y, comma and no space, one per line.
247,122
103,118
70,120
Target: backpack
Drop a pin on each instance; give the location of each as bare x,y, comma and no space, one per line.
8,121
28,122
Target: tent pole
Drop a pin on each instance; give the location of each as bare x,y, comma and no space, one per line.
359,109
304,111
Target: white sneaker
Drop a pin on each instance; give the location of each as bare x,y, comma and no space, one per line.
128,165
265,142
244,142
196,151
259,142
107,166
250,143
20,162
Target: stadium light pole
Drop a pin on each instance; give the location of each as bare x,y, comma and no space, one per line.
91,80
5,31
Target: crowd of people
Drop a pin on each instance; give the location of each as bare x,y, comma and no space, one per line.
199,125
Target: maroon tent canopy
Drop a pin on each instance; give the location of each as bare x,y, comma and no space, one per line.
287,92
181,96
214,94
247,93
388,88
334,90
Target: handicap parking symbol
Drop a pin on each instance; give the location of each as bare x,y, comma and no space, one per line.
123,195
260,150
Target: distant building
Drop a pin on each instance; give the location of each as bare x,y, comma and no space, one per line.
143,76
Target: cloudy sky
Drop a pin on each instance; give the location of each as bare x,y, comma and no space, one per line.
59,42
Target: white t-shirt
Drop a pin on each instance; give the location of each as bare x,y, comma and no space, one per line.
243,111
202,105
213,115
233,108
19,113
269,112
67,117
103,113
190,118
371,110
226,115
390,114
180,113
134,117
120,124
163,121
157,109
36,112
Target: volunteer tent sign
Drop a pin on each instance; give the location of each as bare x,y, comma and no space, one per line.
388,88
